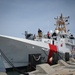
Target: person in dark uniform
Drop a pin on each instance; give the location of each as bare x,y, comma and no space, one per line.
54,35
39,33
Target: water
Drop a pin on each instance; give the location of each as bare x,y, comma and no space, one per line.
13,73
18,71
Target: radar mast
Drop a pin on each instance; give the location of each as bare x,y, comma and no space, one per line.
61,23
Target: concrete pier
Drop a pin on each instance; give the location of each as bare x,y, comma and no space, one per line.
62,68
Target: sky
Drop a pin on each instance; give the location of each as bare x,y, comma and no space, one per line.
18,16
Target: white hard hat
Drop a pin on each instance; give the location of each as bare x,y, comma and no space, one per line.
51,31
57,31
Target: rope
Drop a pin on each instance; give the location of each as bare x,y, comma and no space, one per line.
37,59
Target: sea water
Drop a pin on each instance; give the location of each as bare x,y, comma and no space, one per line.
13,73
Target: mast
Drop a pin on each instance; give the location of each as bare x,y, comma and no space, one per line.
61,23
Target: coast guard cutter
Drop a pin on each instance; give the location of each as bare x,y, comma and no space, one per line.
19,52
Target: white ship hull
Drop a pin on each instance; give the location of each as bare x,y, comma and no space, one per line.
17,50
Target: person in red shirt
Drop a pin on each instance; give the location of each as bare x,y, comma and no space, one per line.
48,35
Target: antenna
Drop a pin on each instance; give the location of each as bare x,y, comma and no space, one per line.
61,23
